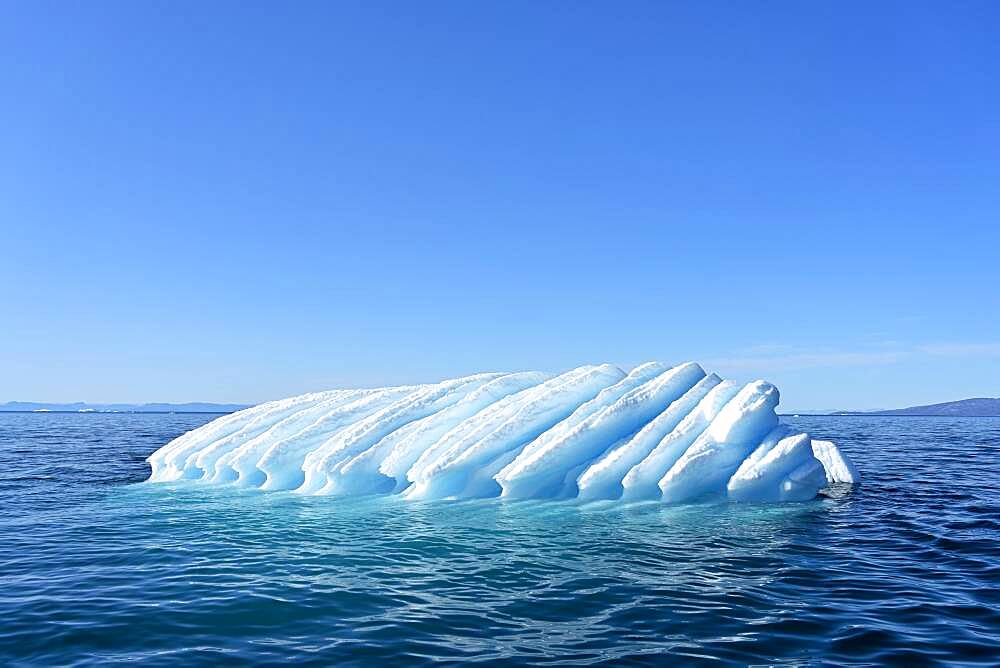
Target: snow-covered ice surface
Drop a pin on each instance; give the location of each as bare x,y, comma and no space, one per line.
597,432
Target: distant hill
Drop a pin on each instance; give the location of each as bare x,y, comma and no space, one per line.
81,407
980,407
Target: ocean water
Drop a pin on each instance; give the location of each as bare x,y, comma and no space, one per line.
96,568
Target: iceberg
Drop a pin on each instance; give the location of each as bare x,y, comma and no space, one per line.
641,482
604,478
836,466
466,468
657,432
545,471
717,453
782,468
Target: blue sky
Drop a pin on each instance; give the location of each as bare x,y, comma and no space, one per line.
238,201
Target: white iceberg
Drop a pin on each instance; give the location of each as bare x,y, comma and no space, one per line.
642,480
714,457
658,432
546,471
782,468
603,479
836,465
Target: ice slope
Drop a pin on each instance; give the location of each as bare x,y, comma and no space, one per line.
658,432
363,473
468,432
179,460
223,462
782,468
837,466
543,471
467,467
642,480
282,463
364,434
603,478
706,467
403,454
604,398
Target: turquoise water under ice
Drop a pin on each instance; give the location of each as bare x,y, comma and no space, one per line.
94,568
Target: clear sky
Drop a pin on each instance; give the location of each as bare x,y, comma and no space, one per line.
233,201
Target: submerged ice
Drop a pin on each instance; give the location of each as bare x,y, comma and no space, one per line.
657,432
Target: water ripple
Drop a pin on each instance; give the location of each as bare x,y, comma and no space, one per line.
94,570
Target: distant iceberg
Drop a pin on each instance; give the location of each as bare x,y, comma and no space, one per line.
657,432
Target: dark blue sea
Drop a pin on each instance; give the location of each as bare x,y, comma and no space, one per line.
97,568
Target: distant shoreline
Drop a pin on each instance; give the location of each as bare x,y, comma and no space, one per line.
975,407
121,407
226,412
96,412
883,415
